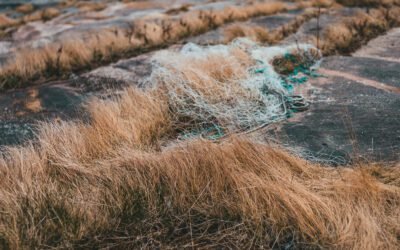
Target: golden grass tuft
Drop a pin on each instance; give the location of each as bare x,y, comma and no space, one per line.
263,35
111,183
90,6
42,15
370,3
143,4
350,33
25,8
256,33
6,22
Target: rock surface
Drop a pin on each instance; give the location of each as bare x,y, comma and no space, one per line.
386,47
22,110
354,113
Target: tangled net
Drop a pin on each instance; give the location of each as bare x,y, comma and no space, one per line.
221,89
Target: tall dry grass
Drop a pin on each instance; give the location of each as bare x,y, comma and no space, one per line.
25,8
369,3
112,183
90,6
6,22
43,14
348,34
77,54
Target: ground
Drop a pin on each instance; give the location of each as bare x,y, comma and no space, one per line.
112,134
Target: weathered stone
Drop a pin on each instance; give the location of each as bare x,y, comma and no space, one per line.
386,47
21,110
354,113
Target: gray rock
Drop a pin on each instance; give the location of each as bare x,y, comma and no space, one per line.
354,113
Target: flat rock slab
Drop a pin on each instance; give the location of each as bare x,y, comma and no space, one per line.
354,113
127,71
22,110
386,47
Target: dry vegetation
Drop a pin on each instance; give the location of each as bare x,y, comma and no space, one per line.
342,37
6,21
370,3
110,183
223,89
90,6
263,35
122,180
30,16
44,15
79,54
25,8
352,32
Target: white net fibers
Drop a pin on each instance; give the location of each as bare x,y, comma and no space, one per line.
232,87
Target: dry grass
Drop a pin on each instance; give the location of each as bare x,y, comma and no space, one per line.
90,6
350,33
25,8
122,180
111,184
370,3
143,4
254,32
177,10
6,22
317,3
41,15
107,45
30,15
263,35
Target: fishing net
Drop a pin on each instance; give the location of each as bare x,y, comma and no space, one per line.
214,90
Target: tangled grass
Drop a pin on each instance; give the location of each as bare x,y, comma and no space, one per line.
233,87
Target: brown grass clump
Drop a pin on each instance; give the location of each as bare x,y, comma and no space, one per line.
90,6
316,3
143,4
349,34
369,3
256,33
6,22
25,8
182,8
263,35
44,15
107,45
111,184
